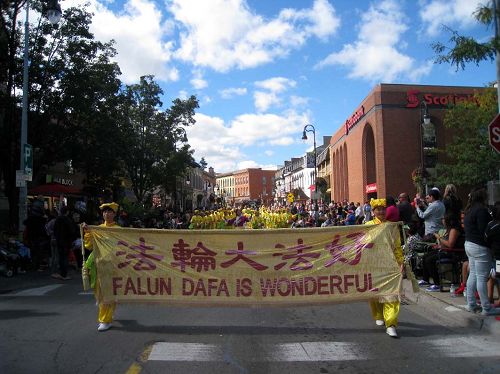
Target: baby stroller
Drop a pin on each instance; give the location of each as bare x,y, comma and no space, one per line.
414,254
9,262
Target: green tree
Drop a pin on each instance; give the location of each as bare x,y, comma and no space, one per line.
203,163
469,158
73,97
150,135
466,49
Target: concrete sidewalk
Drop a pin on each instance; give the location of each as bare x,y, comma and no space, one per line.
450,309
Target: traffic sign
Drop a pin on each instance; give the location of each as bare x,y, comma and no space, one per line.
28,161
20,178
494,133
290,197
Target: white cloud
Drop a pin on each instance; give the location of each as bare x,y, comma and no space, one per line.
264,100
285,140
228,93
247,164
197,81
276,84
227,34
222,143
297,101
436,13
269,152
139,33
374,56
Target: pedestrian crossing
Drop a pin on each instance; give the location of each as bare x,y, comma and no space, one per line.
319,351
37,291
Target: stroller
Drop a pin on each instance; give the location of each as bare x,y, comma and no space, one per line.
414,252
9,262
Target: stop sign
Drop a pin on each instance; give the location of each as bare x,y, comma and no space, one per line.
494,133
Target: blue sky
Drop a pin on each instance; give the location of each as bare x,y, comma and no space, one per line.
262,69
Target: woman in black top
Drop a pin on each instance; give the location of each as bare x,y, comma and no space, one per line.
475,221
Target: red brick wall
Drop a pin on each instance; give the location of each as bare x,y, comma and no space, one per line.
396,130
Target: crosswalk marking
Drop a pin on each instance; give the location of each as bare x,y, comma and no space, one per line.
464,347
318,351
164,351
291,352
315,351
39,291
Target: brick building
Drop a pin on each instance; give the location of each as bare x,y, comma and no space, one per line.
375,152
253,184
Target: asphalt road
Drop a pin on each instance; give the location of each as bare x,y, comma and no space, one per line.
50,327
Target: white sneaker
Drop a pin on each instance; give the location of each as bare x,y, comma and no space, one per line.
391,331
103,326
379,322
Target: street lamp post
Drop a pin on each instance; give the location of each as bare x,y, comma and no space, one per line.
54,15
425,120
310,128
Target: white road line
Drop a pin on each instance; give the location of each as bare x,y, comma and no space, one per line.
39,291
464,347
289,352
163,351
315,351
86,293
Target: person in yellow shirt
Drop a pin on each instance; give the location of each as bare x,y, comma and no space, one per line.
383,312
106,310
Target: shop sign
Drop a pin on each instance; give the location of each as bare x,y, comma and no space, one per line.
413,100
66,182
371,188
352,120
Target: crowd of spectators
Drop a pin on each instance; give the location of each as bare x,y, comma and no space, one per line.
52,242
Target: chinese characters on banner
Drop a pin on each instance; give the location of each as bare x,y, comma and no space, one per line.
247,267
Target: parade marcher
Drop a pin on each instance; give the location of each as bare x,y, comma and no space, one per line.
106,310
385,312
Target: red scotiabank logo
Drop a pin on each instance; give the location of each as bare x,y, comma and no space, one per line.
412,98
437,100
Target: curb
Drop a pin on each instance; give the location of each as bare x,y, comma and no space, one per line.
451,313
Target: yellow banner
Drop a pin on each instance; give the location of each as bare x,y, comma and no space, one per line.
247,267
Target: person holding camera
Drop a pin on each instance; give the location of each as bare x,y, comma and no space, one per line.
432,212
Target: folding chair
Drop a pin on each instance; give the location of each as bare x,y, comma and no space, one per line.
449,262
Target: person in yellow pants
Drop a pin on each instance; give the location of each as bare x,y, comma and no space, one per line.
106,310
385,313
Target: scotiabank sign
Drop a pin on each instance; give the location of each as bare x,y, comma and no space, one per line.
441,100
352,120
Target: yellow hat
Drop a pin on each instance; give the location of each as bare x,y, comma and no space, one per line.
375,203
113,206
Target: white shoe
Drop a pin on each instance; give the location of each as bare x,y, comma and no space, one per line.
391,331
103,326
379,322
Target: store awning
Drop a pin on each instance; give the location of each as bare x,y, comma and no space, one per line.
54,189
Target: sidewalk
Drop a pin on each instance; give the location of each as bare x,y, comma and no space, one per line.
446,306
